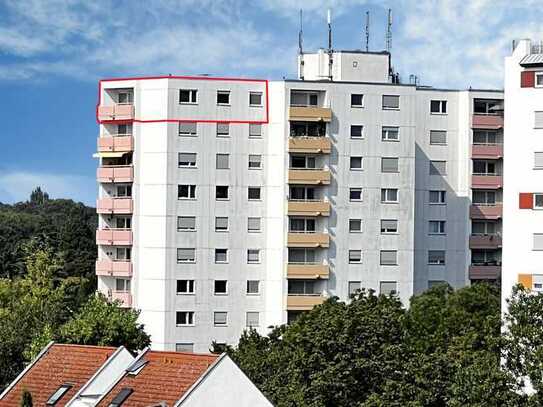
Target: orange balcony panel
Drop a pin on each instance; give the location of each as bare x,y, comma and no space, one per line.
303,302
106,112
310,145
309,177
116,112
487,151
114,205
121,173
308,208
116,144
114,268
307,271
485,241
526,280
308,239
486,211
115,237
486,181
123,296
310,114
485,272
483,121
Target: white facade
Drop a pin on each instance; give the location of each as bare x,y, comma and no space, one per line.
363,150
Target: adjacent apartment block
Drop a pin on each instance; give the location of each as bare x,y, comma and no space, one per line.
229,203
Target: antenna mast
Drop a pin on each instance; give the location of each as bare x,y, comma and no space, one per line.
330,53
389,31
367,31
300,35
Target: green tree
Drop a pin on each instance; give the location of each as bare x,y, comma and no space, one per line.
26,399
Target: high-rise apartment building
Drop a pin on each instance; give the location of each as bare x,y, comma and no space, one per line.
231,203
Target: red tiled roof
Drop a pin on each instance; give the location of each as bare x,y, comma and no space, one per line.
165,378
74,364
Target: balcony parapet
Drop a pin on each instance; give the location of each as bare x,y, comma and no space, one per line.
115,144
310,145
120,206
114,237
303,302
115,173
487,121
308,208
113,268
312,239
487,151
478,211
310,114
486,181
125,297
485,272
308,271
309,176
485,241
116,112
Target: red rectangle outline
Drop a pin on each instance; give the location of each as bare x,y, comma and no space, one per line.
265,81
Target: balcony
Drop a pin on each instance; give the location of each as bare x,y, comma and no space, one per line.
308,271
485,272
116,112
114,237
116,206
117,173
309,176
487,121
479,211
487,151
310,114
486,181
308,239
114,268
485,241
123,296
123,144
303,302
310,145
308,208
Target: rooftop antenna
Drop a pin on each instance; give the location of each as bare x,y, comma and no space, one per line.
367,31
389,31
329,44
300,35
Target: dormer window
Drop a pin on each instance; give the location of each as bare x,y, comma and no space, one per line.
58,394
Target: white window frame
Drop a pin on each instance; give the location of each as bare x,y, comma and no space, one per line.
537,167
252,313
253,252
257,287
386,130
227,193
259,167
253,126
396,159
361,168
441,229
255,94
190,318
357,284
189,164
536,75
442,197
361,137
189,134
259,224
441,104
190,261
193,96
387,199
222,155
225,261
388,107
388,231
215,292
438,131
190,287
354,260
355,200
361,105
440,262
224,92
227,224
215,313
535,206
259,194
191,192
388,264
359,230
180,229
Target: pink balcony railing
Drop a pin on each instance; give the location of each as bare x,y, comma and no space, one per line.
114,237
487,151
485,241
490,121
486,181
114,205
116,144
123,296
114,268
119,173
484,272
486,211
116,112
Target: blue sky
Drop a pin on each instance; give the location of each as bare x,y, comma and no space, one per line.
52,53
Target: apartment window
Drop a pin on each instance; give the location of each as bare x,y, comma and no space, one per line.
255,130
355,225
538,120
187,160
122,253
354,287
123,191
185,223
389,164
223,97
221,192
303,225
253,256
125,98
538,160
389,226
124,129
355,194
356,131
253,286
538,241
307,129
483,197
436,257
391,102
185,287
220,318
255,161
302,193
184,347
220,287
184,318
222,161
438,106
252,319
122,284
483,228
437,197
303,99
356,163
221,224
223,129
186,191
58,394
302,161
389,195
187,129
389,258
123,222
255,99
357,100
436,227
186,255
221,255
438,167
302,287
538,201
438,137
188,96
355,256
253,224
302,256
483,167
253,193
390,134
485,137
388,288
538,79
484,257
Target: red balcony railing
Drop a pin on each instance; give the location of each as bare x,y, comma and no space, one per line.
481,181
116,144
123,296
118,173
114,237
487,121
114,268
485,241
486,211
119,206
483,272
116,112
487,151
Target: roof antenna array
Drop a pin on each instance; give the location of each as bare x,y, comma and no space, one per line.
389,31
367,31
330,52
300,35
